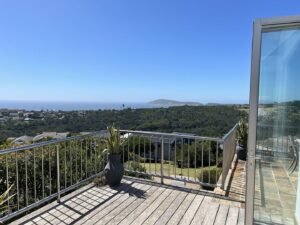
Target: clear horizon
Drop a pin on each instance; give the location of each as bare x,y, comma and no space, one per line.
133,51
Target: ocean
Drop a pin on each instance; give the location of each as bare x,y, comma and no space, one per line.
70,106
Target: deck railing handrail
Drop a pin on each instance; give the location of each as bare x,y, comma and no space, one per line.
178,135
64,164
50,142
229,142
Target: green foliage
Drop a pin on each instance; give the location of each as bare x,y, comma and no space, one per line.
209,175
113,141
137,146
134,167
186,152
3,199
242,133
200,120
79,159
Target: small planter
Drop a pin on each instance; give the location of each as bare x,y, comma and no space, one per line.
114,170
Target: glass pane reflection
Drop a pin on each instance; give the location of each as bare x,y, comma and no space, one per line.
277,199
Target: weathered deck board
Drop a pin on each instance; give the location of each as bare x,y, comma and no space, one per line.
175,219
129,209
191,211
160,210
241,219
211,213
120,207
222,215
200,214
137,202
171,210
144,216
232,217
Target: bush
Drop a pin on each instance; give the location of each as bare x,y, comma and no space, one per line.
242,133
209,175
136,167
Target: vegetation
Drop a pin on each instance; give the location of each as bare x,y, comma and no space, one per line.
3,199
79,159
82,158
209,175
135,169
242,133
200,120
113,140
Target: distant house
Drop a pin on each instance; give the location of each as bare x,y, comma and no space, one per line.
14,114
50,135
22,140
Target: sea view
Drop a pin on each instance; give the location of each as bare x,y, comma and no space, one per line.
149,112
70,106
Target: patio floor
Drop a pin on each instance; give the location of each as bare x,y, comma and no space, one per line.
138,201
275,193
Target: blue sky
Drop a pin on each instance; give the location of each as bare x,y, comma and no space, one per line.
130,51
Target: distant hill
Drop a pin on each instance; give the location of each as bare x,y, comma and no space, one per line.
167,102
213,104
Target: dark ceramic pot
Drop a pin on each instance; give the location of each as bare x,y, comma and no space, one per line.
114,170
242,153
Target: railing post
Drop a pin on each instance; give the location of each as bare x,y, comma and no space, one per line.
223,165
162,161
58,173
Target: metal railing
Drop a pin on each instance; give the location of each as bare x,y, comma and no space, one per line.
43,171
229,143
182,157
273,140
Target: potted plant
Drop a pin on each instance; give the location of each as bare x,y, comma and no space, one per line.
114,168
242,137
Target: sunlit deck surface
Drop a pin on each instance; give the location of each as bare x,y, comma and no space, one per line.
275,192
138,201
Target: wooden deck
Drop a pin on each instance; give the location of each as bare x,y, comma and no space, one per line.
138,201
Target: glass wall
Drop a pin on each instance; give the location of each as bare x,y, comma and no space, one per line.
278,129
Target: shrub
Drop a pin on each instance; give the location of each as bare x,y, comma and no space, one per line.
209,175
136,167
242,133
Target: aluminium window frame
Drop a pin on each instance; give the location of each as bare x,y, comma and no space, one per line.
259,26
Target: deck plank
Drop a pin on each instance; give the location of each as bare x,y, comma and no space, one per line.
191,211
211,216
161,209
110,207
241,219
232,217
202,210
142,207
176,217
151,208
133,196
171,210
222,215
138,201
105,204
129,209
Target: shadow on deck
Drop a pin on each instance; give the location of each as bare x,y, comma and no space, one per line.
138,201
